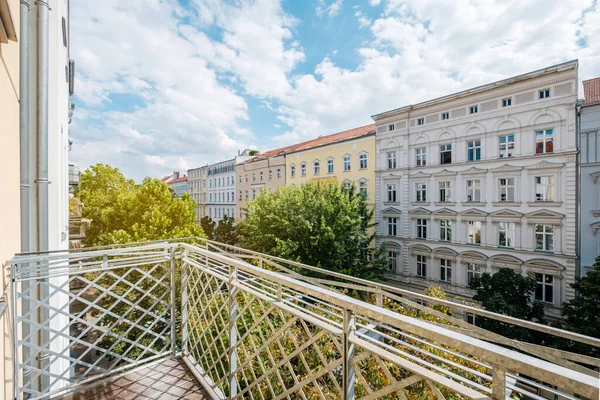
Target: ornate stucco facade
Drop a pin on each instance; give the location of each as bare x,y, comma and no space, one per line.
481,180
589,175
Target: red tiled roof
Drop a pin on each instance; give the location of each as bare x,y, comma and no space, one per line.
591,91
270,153
182,179
333,138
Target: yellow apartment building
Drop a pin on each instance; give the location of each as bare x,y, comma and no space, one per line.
346,157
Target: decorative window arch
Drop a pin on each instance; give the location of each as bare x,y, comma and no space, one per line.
362,186
363,160
346,162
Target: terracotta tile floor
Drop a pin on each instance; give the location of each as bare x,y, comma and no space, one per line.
168,380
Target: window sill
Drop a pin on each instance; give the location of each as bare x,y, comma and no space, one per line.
506,203
544,251
420,203
446,282
543,154
445,203
473,244
544,203
506,247
473,203
391,203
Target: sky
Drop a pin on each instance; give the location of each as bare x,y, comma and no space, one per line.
168,85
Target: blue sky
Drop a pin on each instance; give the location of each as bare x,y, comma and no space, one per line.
167,85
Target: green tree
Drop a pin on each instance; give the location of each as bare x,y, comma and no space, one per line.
583,312
508,293
208,226
318,224
122,212
226,232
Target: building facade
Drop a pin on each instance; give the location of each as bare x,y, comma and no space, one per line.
346,157
481,180
221,188
178,183
589,175
265,171
197,186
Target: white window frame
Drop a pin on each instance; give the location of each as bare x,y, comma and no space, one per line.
421,228
391,193
445,116
303,169
278,173
473,146
421,156
445,191
421,264
421,192
391,157
546,287
473,227
446,230
392,260
445,148
270,175
545,232
392,226
507,102
504,150
547,136
420,121
330,165
545,188
509,230
362,187
445,270
363,161
347,162
544,94
473,109
391,127
474,191
504,189
473,270
292,171
316,167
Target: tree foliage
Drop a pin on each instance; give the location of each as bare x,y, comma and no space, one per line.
319,224
208,226
226,231
508,293
583,312
121,211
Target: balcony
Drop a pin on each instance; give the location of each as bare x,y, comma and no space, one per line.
198,319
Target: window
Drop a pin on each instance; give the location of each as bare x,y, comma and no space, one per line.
420,121
544,237
474,190
421,266
445,270
421,228
347,184
445,115
445,154
362,187
303,169
544,290
507,102
506,146
506,188
278,173
506,234
421,191
446,230
391,192
240,179
392,226
253,193
253,177
474,232
240,195
292,171
445,191
246,178
473,109
246,195
474,150
317,167
270,175
474,270
391,127
262,175
471,318
346,163
421,157
544,188
544,142
362,161
392,257
330,166
544,94
391,156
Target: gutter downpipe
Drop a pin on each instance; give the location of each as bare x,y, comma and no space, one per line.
42,89
24,158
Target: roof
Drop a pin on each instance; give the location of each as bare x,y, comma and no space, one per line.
182,179
334,138
591,91
573,64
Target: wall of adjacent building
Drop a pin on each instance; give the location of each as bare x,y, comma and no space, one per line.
589,186
336,151
526,115
255,176
9,200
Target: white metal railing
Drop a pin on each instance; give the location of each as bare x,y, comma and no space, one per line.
254,331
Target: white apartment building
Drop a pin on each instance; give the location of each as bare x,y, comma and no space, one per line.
221,188
197,180
482,180
589,175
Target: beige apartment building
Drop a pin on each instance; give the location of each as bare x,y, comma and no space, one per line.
197,186
346,157
265,171
9,162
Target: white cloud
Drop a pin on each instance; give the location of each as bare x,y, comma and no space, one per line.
374,2
331,9
363,20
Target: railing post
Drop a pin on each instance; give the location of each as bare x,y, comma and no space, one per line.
379,297
498,382
233,314
173,306
184,302
349,375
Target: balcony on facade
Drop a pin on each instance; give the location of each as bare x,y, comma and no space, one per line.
198,319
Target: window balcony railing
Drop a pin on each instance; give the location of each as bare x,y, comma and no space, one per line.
249,325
